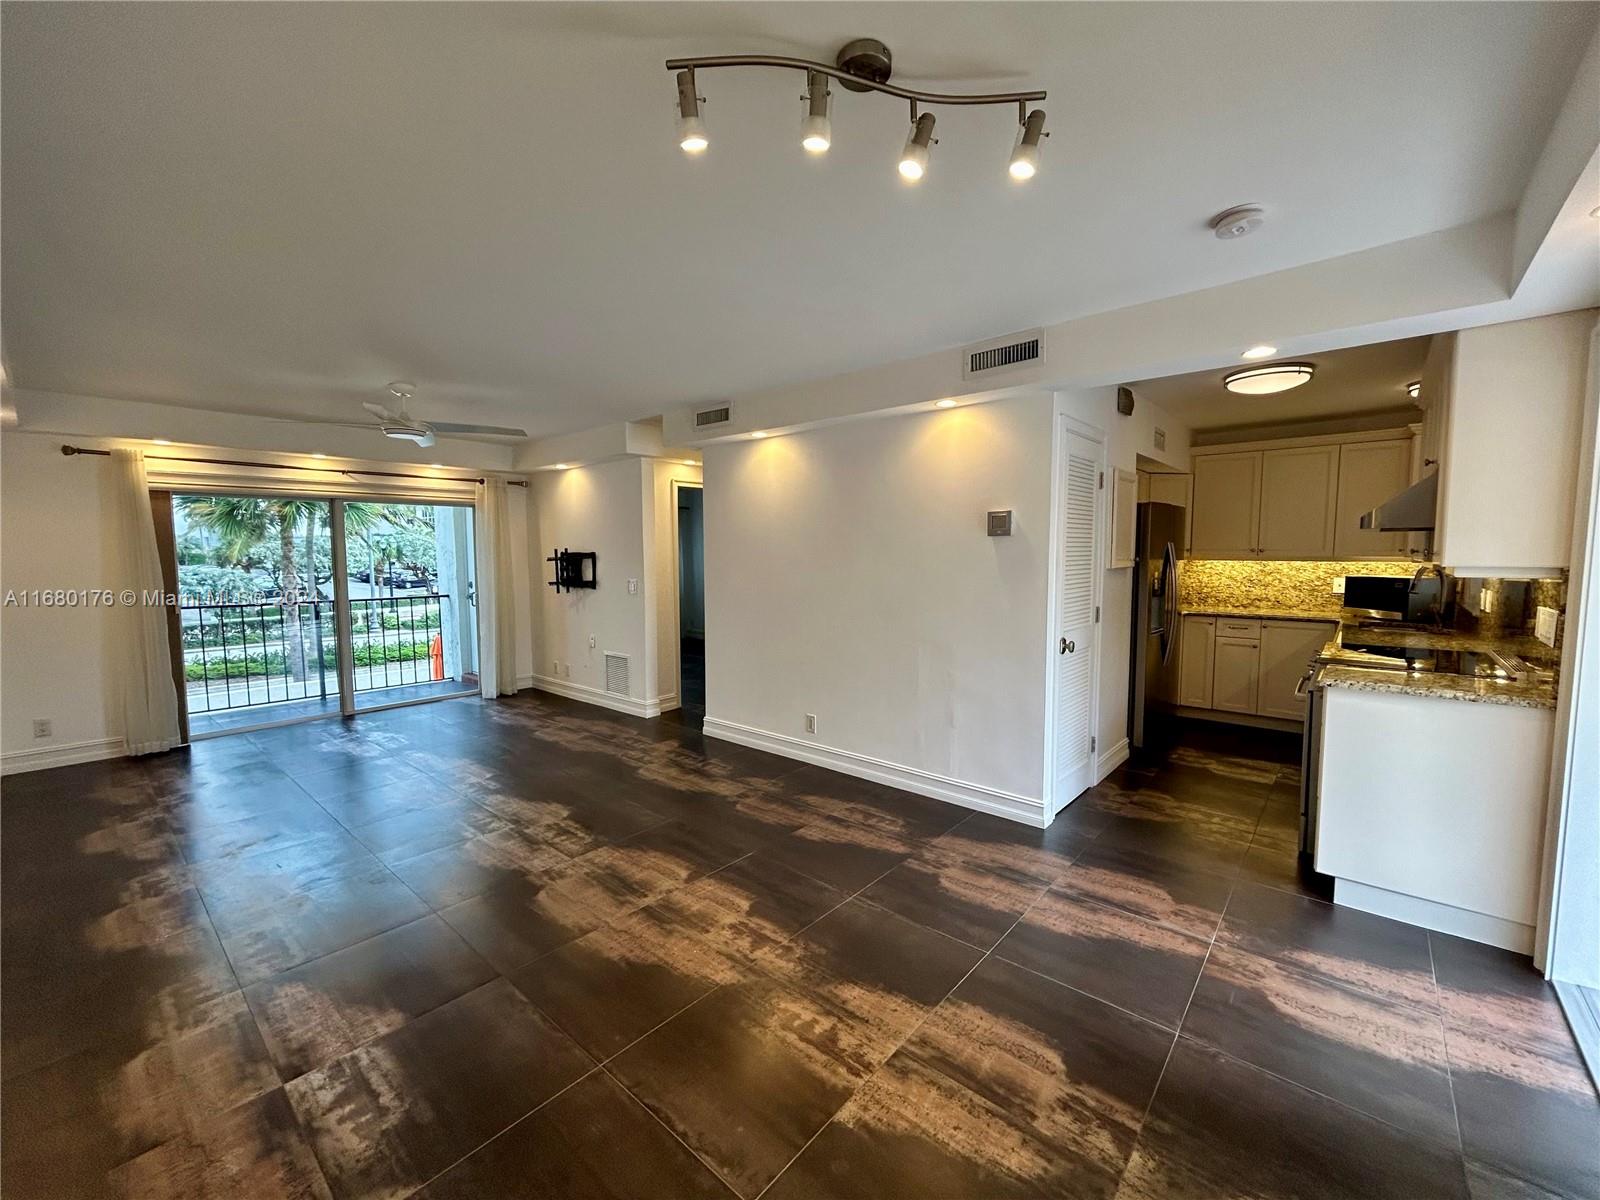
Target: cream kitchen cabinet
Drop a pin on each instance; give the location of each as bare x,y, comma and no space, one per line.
1234,674
1297,498
1247,665
1369,474
1287,648
1299,491
1194,661
1227,503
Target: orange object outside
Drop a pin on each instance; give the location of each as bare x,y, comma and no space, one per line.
436,657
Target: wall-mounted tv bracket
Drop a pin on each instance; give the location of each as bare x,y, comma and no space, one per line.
573,569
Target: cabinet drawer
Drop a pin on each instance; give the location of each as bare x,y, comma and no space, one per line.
1242,627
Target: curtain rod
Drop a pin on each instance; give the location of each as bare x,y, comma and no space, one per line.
236,462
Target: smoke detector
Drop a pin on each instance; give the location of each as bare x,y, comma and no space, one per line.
1237,222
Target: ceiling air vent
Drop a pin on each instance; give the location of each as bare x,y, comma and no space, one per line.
1002,354
616,673
712,416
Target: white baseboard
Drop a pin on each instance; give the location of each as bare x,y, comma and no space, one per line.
42,758
1430,914
910,779
1111,760
589,695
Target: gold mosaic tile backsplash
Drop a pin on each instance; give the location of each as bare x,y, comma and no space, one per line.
1289,586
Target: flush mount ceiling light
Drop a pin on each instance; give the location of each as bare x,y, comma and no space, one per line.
1414,388
944,403
1263,381
1238,221
863,65
1259,352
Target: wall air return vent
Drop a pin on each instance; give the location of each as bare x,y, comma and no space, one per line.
1007,353
712,416
616,674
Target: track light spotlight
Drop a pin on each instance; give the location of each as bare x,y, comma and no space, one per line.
816,130
1025,155
914,158
691,129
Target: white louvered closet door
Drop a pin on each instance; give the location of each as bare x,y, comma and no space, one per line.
1074,649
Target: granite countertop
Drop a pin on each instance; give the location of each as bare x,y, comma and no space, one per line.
1527,693
1266,614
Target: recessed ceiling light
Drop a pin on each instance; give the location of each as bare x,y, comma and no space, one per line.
563,466
1263,381
759,434
436,466
944,403
689,462
1595,211
1262,351
318,454
161,441
1414,388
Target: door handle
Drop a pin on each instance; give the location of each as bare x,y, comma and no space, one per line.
1068,647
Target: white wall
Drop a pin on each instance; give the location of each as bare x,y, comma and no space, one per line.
849,575
53,661
599,508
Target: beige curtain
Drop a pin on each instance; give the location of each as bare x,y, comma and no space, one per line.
147,699
497,612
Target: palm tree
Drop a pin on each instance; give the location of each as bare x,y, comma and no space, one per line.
243,522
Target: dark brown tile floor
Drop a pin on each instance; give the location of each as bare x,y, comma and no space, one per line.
533,949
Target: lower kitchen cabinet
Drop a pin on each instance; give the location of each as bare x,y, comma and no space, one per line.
1287,647
1194,662
1247,665
1234,675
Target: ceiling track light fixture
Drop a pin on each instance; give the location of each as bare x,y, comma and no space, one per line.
863,65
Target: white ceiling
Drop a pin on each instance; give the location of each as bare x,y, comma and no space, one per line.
1358,380
278,208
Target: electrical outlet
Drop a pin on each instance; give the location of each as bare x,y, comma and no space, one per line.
568,670
555,665
1337,586
633,587
1544,624
811,722
42,729
591,641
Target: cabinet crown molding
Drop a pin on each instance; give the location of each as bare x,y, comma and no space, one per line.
1319,439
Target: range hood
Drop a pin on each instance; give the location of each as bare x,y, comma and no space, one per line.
1412,509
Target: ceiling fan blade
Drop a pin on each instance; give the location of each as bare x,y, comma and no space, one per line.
490,430
382,413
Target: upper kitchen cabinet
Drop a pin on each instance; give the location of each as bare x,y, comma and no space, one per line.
1268,503
1369,474
1509,424
1298,492
1172,488
1227,503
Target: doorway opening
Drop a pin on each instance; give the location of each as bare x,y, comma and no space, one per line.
297,607
689,501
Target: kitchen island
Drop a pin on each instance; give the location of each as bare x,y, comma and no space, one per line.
1432,787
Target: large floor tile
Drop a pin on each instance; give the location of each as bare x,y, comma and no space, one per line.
1185,897
1012,1087
321,1010
1369,953
1221,1128
1384,1058
592,1142
388,1117
1126,960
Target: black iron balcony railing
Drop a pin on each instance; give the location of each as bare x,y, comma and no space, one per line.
241,655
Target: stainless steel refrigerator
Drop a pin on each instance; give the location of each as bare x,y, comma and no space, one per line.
1153,688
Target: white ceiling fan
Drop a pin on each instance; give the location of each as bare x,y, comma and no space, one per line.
407,428
404,427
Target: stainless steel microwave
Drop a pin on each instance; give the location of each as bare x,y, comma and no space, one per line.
1394,597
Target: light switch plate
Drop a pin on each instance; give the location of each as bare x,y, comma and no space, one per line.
633,587
1544,625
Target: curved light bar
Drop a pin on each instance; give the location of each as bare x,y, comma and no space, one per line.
861,81
863,66
1264,381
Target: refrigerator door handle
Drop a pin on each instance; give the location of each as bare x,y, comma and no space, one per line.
1169,577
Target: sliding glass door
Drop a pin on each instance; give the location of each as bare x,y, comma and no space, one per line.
294,607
